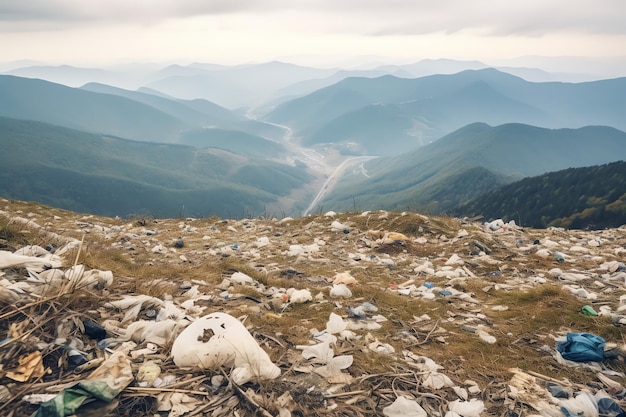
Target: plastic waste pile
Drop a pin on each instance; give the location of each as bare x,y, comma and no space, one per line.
339,314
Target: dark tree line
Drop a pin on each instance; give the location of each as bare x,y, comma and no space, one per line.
575,198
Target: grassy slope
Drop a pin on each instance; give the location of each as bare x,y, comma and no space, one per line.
43,101
112,176
233,141
423,179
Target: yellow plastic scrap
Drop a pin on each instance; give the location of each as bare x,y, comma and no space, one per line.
30,367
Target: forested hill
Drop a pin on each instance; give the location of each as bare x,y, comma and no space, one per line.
577,198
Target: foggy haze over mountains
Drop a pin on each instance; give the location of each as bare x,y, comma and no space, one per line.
278,139
248,85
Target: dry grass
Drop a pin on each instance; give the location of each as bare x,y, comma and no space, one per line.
525,332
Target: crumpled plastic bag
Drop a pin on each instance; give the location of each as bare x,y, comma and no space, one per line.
582,405
340,290
105,383
332,370
471,408
300,296
12,260
404,407
321,352
335,324
219,339
436,380
582,347
344,278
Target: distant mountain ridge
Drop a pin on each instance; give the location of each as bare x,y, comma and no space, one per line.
113,111
234,87
32,99
429,107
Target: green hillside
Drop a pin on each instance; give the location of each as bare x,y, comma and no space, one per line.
233,141
472,160
43,101
197,113
374,130
111,176
317,108
590,197
391,129
194,113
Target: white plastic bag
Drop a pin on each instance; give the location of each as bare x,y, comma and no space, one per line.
403,407
471,408
219,339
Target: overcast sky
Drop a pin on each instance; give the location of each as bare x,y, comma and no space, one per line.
310,32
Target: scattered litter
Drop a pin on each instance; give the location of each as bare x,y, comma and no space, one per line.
260,287
588,311
30,366
148,373
105,383
382,348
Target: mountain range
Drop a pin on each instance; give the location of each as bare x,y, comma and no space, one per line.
430,143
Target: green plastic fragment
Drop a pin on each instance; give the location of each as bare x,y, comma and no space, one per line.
589,311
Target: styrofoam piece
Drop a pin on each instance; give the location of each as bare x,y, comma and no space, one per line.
219,339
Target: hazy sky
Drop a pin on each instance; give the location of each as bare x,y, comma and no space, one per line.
322,32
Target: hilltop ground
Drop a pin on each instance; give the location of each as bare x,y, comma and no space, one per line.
486,303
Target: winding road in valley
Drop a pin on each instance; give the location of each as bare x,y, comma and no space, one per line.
332,179
316,161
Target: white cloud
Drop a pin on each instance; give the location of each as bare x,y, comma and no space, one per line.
254,30
402,17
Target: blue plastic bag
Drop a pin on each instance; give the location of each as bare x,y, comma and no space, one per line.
582,347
